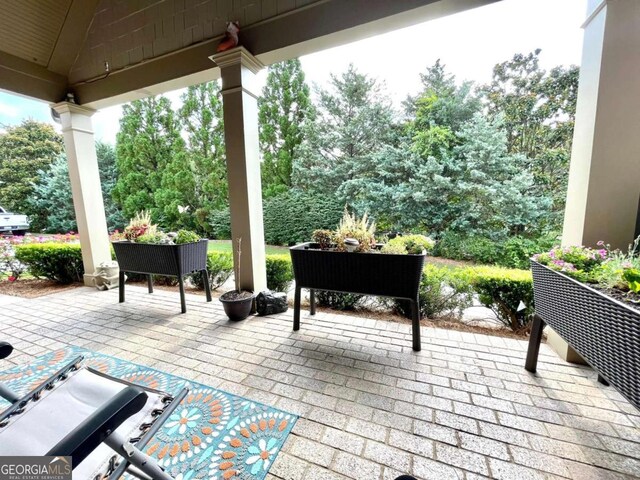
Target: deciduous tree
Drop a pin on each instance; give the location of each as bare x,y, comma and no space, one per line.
25,149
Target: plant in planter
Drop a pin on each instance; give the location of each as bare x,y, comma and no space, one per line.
144,249
371,269
589,297
237,303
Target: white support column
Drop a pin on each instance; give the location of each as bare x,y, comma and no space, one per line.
240,108
604,178
80,148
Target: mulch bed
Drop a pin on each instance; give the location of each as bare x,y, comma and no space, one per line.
33,288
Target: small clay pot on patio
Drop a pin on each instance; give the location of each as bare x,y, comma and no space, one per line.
237,305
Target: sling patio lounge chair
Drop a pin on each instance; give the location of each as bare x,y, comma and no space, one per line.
101,422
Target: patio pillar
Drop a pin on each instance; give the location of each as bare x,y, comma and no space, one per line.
604,176
80,148
240,110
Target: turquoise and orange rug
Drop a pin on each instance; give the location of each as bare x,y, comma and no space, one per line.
212,434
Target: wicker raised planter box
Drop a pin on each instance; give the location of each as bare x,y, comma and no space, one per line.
379,274
169,260
604,331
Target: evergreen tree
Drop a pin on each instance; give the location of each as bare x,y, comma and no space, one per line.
106,154
354,120
201,119
25,149
284,106
148,140
470,185
53,197
442,103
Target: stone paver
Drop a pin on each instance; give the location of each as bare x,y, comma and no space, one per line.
371,408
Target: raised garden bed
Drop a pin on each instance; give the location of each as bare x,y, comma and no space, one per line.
378,274
604,331
159,259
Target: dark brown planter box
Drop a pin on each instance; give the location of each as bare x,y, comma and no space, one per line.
169,260
604,331
379,274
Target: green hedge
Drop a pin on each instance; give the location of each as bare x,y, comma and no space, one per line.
512,252
60,262
220,268
292,217
502,290
279,272
289,218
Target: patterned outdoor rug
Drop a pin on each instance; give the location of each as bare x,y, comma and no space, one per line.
212,434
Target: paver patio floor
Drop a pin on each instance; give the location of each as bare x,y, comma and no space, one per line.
370,407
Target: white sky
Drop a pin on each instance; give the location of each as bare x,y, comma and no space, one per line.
469,44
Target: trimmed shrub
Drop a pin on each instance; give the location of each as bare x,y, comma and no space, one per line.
338,300
512,252
220,268
220,224
502,290
444,292
289,218
292,217
60,262
279,272
516,251
475,249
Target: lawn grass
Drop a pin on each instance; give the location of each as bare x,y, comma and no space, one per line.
225,246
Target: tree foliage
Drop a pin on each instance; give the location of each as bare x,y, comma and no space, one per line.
539,113
24,150
54,200
201,119
284,106
146,144
353,121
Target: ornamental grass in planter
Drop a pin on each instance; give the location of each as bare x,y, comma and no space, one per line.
591,298
144,249
349,260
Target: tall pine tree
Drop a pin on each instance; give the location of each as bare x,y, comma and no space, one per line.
146,144
201,119
284,106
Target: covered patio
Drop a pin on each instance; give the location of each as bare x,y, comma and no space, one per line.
369,406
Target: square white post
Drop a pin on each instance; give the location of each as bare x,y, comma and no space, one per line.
84,174
240,109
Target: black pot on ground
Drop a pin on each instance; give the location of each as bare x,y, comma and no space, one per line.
604,331
236,305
